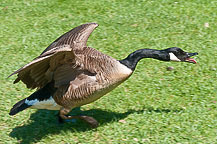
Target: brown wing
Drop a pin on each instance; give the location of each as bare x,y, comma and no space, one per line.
40,71
76,37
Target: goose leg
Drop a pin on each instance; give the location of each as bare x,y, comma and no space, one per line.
63,116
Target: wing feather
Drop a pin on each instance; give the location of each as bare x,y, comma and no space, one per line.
39,72
76,37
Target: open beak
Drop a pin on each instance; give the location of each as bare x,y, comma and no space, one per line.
191,60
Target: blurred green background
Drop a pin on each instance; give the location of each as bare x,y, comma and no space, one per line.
153,106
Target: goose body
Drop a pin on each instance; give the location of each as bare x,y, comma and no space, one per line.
97,74
69,74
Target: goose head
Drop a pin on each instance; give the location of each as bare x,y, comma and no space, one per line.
177,54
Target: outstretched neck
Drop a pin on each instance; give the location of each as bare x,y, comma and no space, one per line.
132,59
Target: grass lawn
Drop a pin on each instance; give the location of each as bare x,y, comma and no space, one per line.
153,106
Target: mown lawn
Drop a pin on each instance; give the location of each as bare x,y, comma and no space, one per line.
153,106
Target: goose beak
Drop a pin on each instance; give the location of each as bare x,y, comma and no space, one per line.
191,60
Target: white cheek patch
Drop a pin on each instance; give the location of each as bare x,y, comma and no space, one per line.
173,57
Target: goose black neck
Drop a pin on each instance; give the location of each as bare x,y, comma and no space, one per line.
132,59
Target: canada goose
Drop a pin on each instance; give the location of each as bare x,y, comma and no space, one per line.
68,74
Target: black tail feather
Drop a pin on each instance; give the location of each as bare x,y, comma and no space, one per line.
19,106
40,95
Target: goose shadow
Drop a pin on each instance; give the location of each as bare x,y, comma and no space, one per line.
44,122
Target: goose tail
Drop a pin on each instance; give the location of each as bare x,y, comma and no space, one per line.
40,99
19,106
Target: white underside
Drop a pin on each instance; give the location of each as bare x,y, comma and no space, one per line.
49,104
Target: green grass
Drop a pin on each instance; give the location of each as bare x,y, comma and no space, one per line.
154,105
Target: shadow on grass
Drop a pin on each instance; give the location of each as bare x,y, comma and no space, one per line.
44,122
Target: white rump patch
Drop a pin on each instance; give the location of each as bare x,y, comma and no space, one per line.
173,57
49,104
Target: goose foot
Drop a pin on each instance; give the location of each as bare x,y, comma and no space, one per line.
63,116
61,121
90,120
